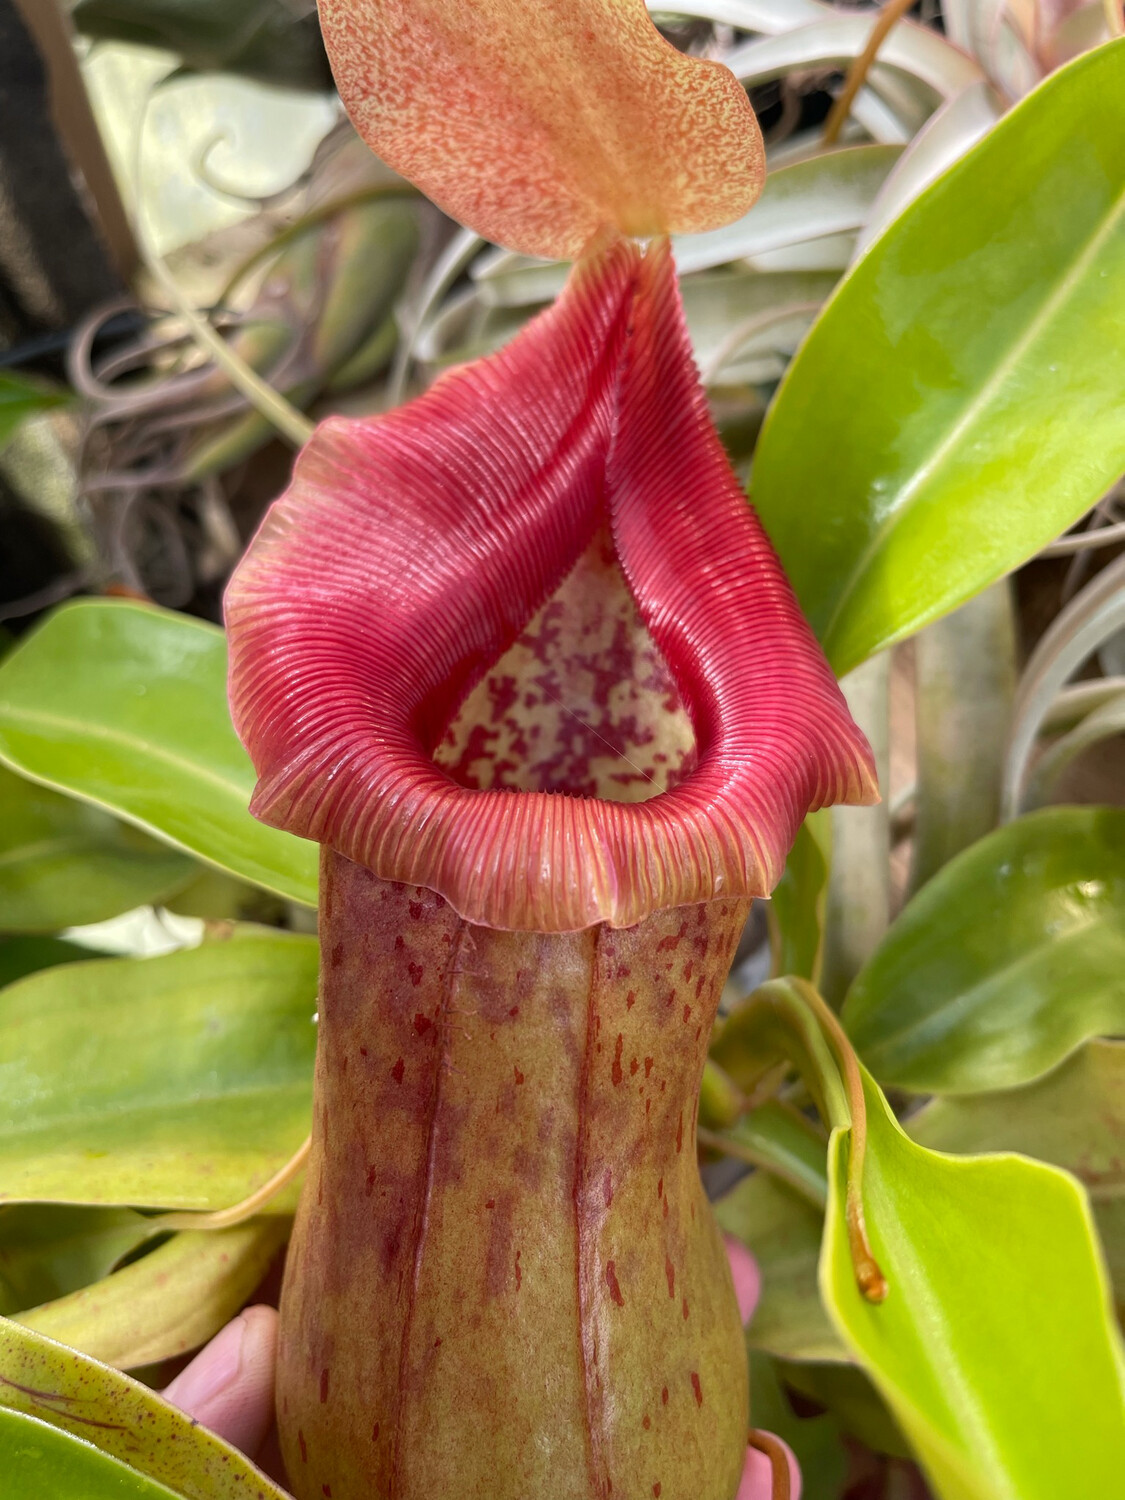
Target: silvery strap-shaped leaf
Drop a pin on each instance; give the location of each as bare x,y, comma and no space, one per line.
1089,620
950,131
917,51
824,196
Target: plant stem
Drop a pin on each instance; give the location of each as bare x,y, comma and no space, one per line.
857,910
289,422
772,1447
893,11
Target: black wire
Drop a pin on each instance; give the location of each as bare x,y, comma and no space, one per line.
126,324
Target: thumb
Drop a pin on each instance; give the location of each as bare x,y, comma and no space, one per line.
229,1385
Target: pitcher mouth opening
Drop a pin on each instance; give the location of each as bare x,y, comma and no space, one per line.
375,617
583,704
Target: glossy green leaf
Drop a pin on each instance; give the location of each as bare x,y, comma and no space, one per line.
983,340
797,907
64,864
169,1301
783,1231
1010,958
80,1397
125,706
1073,1118
39,1460
26,954
48,1250
996,1347
21,397
183,1081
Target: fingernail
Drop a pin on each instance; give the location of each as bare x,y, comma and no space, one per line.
212,1371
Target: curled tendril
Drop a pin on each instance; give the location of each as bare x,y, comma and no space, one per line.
774,1449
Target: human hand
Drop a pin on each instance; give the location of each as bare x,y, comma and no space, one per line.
757,1477
229,1385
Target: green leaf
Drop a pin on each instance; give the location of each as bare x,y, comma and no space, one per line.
24,955
216,897
784,1142
995,1347
1009,959
183,1081
169,1301
1109,1215
797,907
79,1397
40,1460
1073,1118
48,1250
21,398
63,864
963,386
124,705
783,1231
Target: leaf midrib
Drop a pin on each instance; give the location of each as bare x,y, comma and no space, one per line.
29,719
158,1104
1029,958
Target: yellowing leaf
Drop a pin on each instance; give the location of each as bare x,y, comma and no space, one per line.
168,1302
182,1082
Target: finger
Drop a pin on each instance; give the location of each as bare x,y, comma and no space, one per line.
757,1476
747,1278
229,1385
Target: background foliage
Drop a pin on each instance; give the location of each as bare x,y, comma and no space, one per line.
950,276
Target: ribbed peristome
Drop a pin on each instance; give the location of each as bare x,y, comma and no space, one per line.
388,596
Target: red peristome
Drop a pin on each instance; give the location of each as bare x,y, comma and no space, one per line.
412,550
